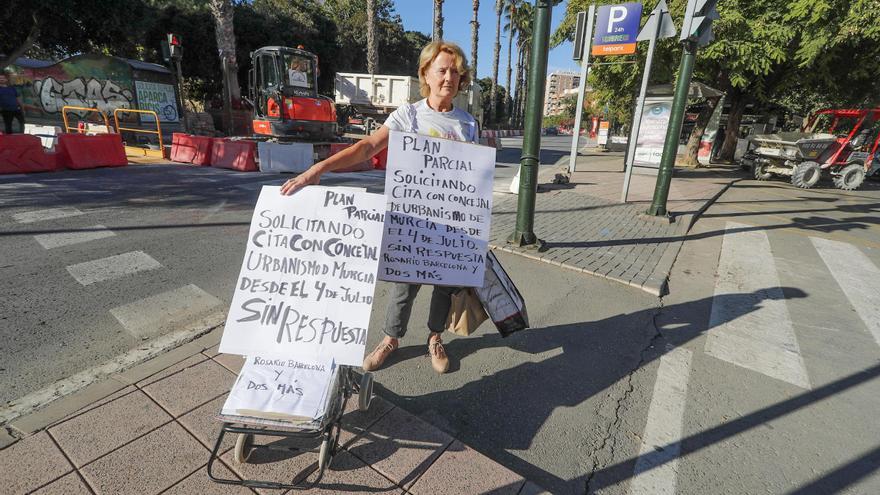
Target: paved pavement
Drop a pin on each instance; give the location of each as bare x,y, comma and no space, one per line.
148,428
586,228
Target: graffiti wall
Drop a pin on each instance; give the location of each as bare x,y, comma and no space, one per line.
94,81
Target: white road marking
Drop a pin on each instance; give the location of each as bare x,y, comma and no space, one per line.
48,214
50,241
19,185
112,267
750,325
155,314
656,467
857,276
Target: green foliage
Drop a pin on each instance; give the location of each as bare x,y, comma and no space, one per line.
332,29
799,54
499,114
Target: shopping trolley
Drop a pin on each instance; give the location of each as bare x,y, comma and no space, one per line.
320,435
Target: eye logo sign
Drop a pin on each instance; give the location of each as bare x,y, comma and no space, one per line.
616,29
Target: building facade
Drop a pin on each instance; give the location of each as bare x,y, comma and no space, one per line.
559,85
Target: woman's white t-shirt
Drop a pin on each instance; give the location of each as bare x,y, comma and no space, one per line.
418,117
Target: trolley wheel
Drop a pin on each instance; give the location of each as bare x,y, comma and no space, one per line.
365,396
243,447
324,454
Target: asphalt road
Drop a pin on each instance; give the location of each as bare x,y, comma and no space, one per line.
97,262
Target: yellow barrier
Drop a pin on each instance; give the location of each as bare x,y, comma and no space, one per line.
136,150
79,129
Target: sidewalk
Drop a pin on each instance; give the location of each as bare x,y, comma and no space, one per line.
150,430
586,228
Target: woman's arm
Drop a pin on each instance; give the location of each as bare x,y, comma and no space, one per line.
360,151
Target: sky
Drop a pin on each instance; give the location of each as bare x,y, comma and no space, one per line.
417,15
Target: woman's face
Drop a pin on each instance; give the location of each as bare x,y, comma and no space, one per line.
3,80
442,76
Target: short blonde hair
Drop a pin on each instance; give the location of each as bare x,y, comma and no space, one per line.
430,52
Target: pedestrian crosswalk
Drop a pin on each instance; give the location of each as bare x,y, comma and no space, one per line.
751,326
142,318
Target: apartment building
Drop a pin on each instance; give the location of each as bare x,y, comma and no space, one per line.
559,85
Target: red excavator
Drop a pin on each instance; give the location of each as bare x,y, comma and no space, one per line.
284,93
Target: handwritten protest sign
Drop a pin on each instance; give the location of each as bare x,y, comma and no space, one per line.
439,195
281,389
306,285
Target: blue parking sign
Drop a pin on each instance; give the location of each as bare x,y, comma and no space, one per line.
617,28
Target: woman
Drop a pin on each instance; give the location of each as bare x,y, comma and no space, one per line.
443,72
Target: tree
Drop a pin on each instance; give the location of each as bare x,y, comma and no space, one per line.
475,37
491,115
372,40
509,9
521,20
22,48
438,21
225,33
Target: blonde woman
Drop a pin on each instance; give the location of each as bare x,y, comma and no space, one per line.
443,71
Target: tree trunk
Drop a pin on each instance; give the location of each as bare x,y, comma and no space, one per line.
23,47
508,99
475,39
731,133
518,84
438,21
372,39
491,115
692,149
222,11
527,58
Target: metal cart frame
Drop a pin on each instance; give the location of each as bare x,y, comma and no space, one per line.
325,432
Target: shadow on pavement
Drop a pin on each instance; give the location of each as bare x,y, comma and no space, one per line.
504,411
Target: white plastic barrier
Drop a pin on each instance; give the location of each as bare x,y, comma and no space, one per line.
288,157
47,134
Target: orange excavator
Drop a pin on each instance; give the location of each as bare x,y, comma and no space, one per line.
284,93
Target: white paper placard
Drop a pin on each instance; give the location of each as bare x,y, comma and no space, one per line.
439,210
306,285
279,388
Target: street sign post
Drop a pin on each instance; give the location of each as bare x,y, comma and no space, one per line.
582,84
696,32
616,29
658,26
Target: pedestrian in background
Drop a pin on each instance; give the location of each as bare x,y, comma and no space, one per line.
10,104
443,71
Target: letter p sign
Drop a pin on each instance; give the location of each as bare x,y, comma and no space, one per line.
616,15
617,28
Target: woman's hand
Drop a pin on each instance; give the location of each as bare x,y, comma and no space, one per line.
310,177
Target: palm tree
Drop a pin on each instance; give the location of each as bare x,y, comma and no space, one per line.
475,37
522,20
438,21
222,12
493,97
372,39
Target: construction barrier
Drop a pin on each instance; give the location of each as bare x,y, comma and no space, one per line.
23,153
288,157
48,134
186,148
380,160
234,155
79,151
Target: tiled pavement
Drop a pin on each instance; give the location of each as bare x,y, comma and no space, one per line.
586,228
154,436
149,429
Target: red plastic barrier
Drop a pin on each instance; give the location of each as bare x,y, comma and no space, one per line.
380,160
235,155
79,151
23,153
187,148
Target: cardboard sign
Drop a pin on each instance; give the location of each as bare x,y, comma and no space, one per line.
280,389
439,207
306,285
